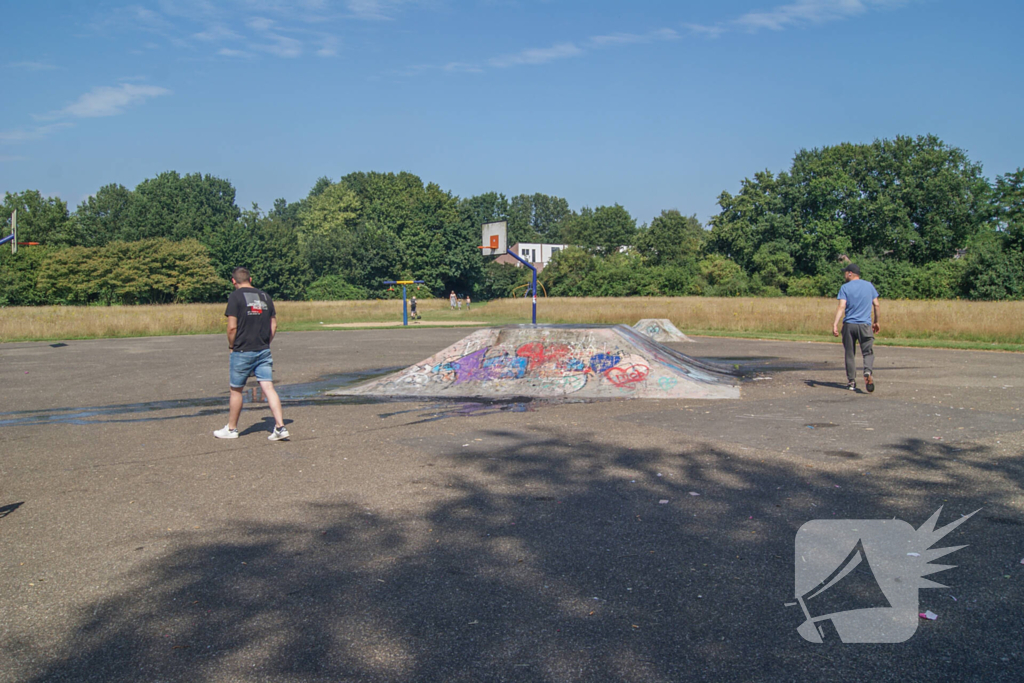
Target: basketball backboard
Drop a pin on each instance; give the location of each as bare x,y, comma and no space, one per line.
493,241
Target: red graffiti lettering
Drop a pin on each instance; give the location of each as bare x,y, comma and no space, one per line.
624,376
538,354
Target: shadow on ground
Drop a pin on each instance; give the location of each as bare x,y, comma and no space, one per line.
550,561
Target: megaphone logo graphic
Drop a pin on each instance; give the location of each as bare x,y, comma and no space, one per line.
857,580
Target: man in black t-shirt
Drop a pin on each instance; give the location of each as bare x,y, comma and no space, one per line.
252,324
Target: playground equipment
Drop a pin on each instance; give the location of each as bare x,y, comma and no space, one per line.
405,306
495,243
13,237
515,291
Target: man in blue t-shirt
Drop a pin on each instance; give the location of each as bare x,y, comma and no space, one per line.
857,299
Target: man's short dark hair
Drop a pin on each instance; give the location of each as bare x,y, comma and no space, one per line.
240,274
852,268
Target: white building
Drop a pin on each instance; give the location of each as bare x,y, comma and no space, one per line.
539,255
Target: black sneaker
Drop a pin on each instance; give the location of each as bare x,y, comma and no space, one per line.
869,383
852,386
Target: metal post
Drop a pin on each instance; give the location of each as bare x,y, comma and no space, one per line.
529,265
405,311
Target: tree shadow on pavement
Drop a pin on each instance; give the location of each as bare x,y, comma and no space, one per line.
8,509
555,561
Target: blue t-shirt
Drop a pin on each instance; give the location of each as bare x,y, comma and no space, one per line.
858,295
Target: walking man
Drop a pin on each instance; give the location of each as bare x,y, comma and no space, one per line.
252,324
857,300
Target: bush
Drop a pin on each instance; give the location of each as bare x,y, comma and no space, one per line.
151,271
334,288
18,274
720,276
995,275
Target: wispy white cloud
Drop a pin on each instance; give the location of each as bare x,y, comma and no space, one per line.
463,67
375,10
537,55
712,31
228,52
281,46
16,135
7,157
328,47
31,66
109,100
803,12
616,39
260,24
216,33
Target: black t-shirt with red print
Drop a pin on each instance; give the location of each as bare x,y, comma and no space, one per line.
253,308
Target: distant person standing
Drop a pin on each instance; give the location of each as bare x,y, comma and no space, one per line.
452,299
252,324
412,309
459,302
467,302
857,300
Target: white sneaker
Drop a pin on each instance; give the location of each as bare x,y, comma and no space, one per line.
226,433
279,434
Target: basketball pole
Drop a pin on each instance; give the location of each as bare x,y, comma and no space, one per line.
513,254
13,237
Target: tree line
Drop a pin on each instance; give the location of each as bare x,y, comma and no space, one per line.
915,213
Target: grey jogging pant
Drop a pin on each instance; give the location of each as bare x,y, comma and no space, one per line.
863,334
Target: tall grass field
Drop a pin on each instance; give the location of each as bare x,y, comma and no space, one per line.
968,324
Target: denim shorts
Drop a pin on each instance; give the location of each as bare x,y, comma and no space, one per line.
245,364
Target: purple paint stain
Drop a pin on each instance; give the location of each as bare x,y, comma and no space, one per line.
468,367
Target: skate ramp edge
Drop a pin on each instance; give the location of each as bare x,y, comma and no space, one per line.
660,330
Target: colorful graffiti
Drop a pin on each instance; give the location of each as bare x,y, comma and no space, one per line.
627,376
603,362
599,362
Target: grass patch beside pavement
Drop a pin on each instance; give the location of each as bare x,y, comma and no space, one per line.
940,324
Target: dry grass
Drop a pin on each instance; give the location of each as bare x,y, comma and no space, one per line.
90,322
23,323
982,321
953,321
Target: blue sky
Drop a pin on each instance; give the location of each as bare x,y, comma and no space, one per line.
654,105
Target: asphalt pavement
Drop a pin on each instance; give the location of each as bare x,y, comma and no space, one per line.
630,540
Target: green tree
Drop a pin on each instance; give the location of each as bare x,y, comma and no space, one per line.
602,230
500,280
536,218
335,288
327,232
567,272
40,219
103,217
486,208
1008,208
18,275
179,207
722,277
912,199
670,238
141,272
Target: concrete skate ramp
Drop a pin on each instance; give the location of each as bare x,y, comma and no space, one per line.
555,361
660,330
